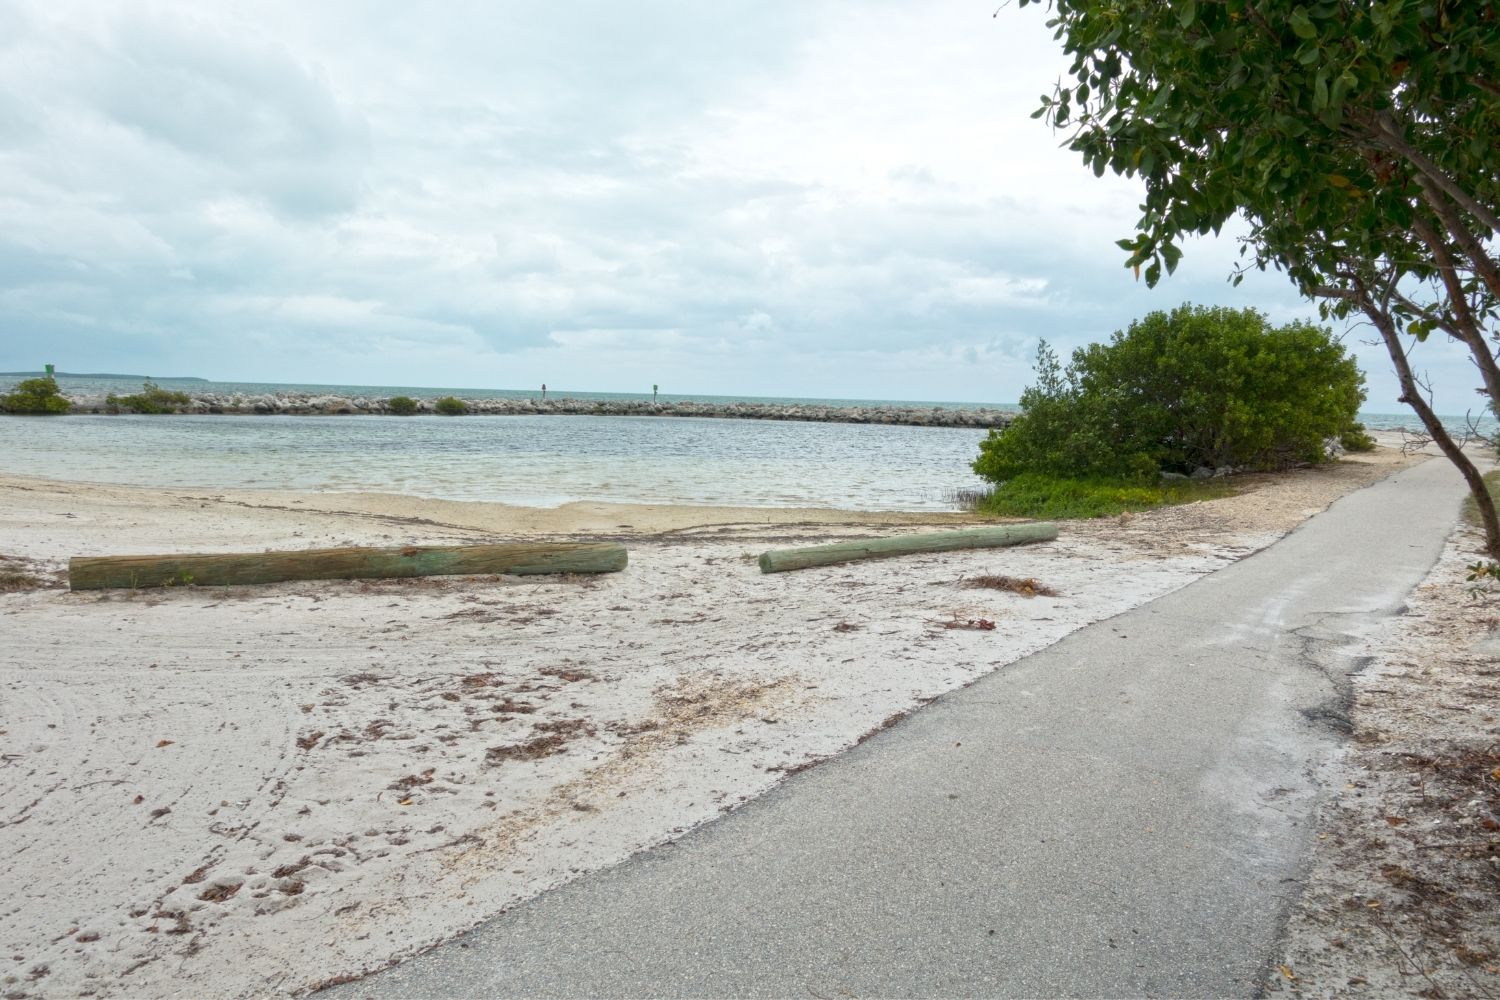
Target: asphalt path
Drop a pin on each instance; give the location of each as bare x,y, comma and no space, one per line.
1122,814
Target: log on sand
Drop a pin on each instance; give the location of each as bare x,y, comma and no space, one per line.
780,560
222,570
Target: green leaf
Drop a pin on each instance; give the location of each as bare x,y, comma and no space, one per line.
1220,118
1341,85
1171,255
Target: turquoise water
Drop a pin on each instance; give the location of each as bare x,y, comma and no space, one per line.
531,460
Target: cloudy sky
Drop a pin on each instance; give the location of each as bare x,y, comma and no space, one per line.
807,198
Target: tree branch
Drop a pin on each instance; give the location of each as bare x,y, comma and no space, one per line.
1463,317
1473,249
1395,140
1330,292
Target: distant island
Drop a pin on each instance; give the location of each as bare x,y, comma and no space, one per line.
128,378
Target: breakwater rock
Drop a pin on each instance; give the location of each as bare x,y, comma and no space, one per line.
298,404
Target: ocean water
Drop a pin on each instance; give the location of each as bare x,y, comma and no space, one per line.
531,460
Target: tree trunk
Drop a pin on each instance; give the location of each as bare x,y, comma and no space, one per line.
780,560
1412,396
228,569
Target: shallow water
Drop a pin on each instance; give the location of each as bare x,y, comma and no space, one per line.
531,460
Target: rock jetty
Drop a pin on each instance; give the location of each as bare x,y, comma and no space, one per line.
299,404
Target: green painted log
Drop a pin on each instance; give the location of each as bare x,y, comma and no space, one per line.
780,560
229,569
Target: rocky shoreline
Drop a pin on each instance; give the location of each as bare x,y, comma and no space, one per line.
298,404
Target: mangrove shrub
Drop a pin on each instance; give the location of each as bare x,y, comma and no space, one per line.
151,399
1198,387
35,396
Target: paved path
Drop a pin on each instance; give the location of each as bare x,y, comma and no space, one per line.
1122,813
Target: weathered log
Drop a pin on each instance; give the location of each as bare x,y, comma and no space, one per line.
222,570
780,560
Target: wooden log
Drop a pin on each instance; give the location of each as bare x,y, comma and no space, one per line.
780,560
229,569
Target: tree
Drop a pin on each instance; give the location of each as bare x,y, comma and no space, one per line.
1360,139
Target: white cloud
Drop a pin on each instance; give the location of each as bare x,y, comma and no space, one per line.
829,198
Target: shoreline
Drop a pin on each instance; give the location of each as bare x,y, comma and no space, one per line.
601,519
310,404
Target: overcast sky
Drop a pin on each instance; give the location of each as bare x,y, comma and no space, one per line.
799,198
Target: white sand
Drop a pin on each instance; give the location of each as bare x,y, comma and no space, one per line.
214,792
1401,889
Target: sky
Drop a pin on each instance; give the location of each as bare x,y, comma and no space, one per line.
802,198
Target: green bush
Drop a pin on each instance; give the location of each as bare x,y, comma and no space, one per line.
1354,438
451,406
401,406
151,399
35,396
1212,387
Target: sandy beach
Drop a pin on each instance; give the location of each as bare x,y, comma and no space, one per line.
226,792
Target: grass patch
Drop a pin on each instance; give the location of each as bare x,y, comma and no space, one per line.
1053,497
1471,509
970,498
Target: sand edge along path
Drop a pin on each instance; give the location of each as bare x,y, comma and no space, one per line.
225,792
